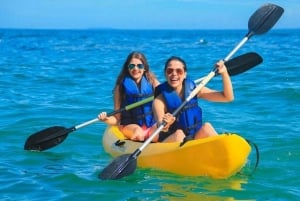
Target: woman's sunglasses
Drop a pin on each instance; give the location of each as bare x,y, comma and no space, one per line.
132,66
179,71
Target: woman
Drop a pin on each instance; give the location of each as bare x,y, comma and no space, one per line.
134,83
170,94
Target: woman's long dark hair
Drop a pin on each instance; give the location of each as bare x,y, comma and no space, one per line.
125,71
172,58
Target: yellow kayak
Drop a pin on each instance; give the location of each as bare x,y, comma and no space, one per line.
218,157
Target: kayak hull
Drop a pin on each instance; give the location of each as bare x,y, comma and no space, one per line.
218,157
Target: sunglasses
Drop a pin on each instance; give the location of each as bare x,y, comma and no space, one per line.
132,66
179,71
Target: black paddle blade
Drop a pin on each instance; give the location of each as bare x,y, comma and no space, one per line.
243,63
264,18
122,166
46,138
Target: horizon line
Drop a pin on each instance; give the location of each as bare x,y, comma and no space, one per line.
136,29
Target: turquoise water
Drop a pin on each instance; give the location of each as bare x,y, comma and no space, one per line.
56,77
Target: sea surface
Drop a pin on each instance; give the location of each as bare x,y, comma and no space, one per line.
65,78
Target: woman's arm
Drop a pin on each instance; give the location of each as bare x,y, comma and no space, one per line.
114,119
219,96
160,115
158,107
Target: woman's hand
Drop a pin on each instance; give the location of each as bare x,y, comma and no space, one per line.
102,116
221,67
169,119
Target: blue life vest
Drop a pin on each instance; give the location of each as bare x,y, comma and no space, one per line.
141,115
189,118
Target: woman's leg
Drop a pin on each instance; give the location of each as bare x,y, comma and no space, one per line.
133,132
151,131
207,130
177,136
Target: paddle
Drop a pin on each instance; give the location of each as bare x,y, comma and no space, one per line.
52,136
260,22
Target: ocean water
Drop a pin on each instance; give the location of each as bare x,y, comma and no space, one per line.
65,77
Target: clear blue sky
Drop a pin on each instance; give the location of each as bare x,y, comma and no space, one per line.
139,14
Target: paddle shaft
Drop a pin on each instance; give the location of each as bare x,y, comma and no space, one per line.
128,107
